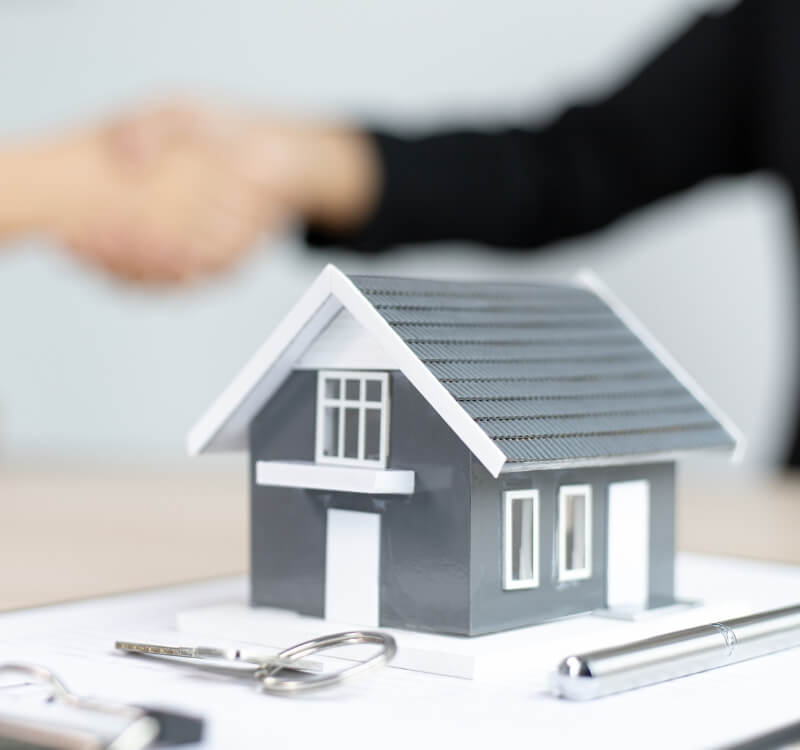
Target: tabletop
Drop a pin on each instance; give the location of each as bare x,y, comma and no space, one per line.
74,532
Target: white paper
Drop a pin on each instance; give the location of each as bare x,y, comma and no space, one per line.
404,709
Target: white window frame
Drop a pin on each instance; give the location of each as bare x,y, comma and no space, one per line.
509,583
361,404
577,574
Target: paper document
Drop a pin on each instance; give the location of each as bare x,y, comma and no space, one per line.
398,708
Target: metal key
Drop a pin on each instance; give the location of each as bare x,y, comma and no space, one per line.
241,654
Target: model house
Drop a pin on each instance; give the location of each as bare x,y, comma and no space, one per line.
459,456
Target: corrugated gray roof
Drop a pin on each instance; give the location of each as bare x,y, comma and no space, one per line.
549,371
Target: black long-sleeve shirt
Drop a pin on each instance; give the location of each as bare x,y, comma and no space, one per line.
721,99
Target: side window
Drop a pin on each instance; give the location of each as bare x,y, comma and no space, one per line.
521,539
352,418
574,532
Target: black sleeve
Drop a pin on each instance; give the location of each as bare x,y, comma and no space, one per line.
685,116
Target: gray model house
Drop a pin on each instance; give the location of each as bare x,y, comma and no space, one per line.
460,457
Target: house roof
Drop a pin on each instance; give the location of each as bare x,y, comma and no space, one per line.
527,374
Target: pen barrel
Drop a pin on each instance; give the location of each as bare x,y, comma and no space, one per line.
765,633
678,654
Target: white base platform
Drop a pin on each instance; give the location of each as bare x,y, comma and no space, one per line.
497,654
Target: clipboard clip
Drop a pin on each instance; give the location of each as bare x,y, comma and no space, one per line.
78,722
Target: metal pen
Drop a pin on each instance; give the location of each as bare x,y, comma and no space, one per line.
666,657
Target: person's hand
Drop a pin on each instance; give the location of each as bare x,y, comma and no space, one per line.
172,193
191,209
314,172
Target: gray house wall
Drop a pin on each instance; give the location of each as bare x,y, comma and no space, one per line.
441,548
495,609
424,537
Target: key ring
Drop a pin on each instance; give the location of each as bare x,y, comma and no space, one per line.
272,683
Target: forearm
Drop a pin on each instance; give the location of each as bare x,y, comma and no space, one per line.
28,189
343,178
327,175
482,187
685,116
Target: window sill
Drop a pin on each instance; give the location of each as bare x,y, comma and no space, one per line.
312,476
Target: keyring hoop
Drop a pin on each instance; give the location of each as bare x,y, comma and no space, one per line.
272,683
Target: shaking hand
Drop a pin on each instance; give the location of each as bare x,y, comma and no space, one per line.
173,193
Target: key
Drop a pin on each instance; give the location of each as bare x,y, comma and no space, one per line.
241,654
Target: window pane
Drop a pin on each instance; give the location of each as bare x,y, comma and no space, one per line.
351,433
522,538
576,531
330,445
374,388
372,434
331,388
352,390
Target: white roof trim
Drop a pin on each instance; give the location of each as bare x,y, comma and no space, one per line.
592,281
312,476
225,425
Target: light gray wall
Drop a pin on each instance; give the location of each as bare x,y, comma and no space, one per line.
494,608
91,369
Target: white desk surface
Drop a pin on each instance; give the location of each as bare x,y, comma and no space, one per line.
397,708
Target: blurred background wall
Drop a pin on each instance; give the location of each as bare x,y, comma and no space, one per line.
94,371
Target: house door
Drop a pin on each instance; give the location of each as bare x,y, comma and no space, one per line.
352,567
628,573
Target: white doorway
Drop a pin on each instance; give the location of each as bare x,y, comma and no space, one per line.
352,567
628,572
